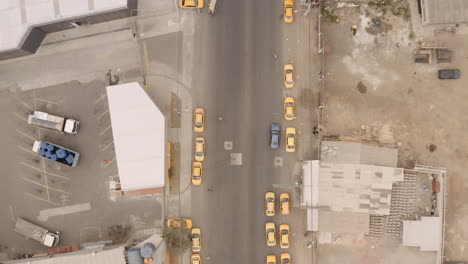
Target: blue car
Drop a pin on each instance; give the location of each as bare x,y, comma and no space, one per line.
275,135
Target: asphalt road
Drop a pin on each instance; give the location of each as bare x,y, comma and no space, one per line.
238,78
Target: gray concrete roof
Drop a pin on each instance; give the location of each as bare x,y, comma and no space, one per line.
357,153
444,11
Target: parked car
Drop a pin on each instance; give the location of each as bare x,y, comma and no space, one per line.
199,120
284,236
184,223
270,232
284,203
288,72
199,149
275,135
288,11
289,108
270,204
196,240
290,139
196,258
285,258
197,173
449,74
191,4
271,259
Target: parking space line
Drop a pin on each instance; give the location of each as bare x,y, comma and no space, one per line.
25,149
50,173
43,100
100,98
101,115
24,134
20,117
48,187
108,163
104,131
145,53
41,199
11,214
48,130
45,179
112,142
28,106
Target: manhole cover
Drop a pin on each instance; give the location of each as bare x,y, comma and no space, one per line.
227,145
236,159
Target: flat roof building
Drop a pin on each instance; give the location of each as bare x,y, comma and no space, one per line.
139,131
25,23
444,11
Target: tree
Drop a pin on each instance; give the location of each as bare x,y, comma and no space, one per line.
177,240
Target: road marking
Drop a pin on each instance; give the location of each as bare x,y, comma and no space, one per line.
227,145
102,55
100,98
26,135
145,54
112,142
20,117
41,199
43,100
11,214
48,130
236,159
278,161
101,115
107,164
25,104
48,187
102,132
45,179
50,173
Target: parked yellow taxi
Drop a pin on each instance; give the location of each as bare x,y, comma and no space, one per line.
284,203
270,204
199,120
197,173
290,139
288,11
199,149
289,108
270,232
191,4
284,236
196,240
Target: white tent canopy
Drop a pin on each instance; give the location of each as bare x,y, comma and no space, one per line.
138,127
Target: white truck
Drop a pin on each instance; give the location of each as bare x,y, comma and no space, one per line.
58,123
37,233
56,153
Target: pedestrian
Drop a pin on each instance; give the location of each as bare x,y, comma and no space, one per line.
315,131
398,44
210,189
274,55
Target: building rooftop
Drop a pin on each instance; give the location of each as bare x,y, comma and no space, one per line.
17,17
138,127
444,11
425,234
357,153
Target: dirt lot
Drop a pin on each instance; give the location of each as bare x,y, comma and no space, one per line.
374,90
32,183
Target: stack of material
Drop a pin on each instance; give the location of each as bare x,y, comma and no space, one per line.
444,56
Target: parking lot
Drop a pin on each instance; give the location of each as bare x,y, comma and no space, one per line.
32,184
375,92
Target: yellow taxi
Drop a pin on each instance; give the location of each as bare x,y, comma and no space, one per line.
199,149
195,259
271,259
191,4
288,71
284,203
196,240
289,108
270,232
284,236
199,120
184,223
290,139
197,173
288,11
285,258
270,204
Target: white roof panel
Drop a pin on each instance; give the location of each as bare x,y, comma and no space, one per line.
425,234
138,127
